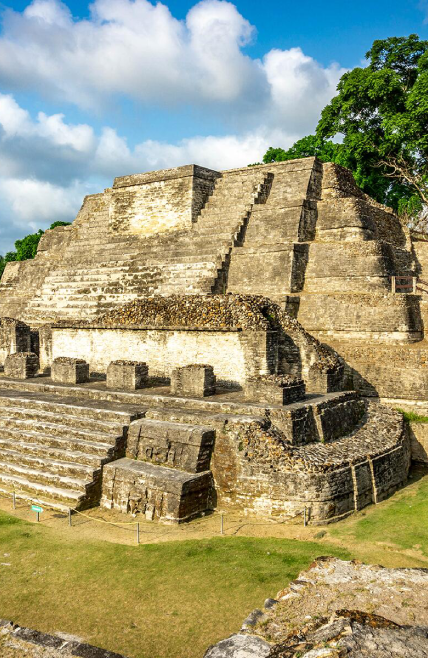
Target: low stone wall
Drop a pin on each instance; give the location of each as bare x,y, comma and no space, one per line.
258,471
160,493
235,355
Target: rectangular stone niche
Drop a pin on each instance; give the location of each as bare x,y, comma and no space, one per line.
66,370
21,365
156,492
194,381
275,389
127,375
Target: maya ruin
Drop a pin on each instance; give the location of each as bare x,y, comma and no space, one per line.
200,339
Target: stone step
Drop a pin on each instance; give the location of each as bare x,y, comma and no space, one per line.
102,450
61,454
33,475
11,397
46,496
57,429
200,417
41,415
48,465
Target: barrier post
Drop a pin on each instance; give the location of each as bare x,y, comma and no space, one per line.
304,517
414,280
138,532
69,517
14,500
221,523
393,284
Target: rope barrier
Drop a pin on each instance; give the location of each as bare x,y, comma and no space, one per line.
94,518
158,532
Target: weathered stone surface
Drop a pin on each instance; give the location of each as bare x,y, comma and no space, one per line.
160,493
194,380
275,389
239,646
21,365
18,641
339,608
178,445
52,448
127,375
419,441
66,370
15,336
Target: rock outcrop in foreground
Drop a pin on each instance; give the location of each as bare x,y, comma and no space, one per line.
337,609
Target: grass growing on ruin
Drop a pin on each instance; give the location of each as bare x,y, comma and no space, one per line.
171,599
413,417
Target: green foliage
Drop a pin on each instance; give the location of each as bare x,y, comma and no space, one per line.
325,150
27,247
382,112
55,224
413,417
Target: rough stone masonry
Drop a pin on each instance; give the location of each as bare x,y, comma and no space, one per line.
272,284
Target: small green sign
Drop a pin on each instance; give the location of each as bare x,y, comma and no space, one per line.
36,508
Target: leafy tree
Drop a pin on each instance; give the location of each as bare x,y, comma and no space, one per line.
55,224
308,146
382,113
26,248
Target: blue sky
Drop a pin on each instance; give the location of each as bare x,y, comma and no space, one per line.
89,92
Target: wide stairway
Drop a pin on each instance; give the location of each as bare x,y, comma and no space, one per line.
58,443
52,448
186,261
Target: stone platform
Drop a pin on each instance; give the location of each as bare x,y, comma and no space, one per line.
60,447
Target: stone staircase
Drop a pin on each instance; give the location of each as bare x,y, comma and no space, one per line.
52,449
186,261
59,442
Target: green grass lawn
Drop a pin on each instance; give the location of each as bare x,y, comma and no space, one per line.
173,599
153,601
400,522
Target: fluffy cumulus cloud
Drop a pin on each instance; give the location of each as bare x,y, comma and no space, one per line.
133,49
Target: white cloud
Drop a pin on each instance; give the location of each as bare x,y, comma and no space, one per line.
47,165
139,50
36,203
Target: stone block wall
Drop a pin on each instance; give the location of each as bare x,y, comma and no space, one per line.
177,445
376,317
15,336
234,355
152,203
258,473
160,493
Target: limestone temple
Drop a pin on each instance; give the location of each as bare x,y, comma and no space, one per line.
199,339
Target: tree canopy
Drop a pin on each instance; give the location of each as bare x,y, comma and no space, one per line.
381,115
26,248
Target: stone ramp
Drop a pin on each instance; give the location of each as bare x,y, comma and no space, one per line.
52,449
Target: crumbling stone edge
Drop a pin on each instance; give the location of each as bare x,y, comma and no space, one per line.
68,647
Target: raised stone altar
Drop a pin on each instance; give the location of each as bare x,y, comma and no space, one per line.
210,338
